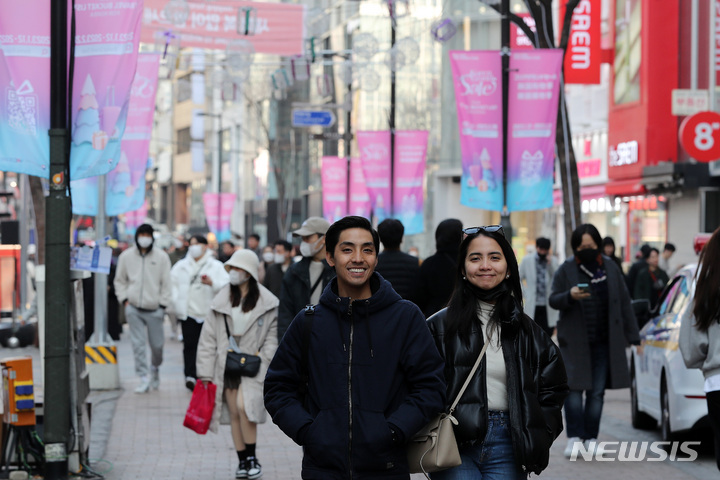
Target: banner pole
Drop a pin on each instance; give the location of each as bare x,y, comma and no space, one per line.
505,55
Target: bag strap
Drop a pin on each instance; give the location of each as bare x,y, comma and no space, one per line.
317,282
305,352
467,380
232,339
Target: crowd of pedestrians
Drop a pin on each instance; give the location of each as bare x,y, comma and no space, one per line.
359,347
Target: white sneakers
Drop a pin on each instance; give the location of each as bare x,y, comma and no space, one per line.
153,382
571,443
144,386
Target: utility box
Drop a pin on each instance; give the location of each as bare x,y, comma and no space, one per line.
18,391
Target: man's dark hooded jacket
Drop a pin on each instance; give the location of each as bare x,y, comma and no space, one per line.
373,369
437,273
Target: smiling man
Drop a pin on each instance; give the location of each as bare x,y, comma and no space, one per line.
372,375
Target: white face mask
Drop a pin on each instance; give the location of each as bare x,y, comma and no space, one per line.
310,249
279,258
195,251
268,257
144,241
237,277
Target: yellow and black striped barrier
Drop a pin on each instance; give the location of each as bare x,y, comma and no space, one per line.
102,355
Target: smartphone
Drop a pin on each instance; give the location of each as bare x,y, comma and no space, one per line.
584,287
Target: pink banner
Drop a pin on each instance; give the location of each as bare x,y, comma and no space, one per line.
218,211
477,77
409,173
359,198
275,28
135,218
374,150
334,186
533,104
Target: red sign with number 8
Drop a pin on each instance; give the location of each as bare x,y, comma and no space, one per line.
700,136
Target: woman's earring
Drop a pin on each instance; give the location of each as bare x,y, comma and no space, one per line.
464,277
507,276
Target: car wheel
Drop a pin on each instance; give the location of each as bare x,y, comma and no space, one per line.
666,433
640,420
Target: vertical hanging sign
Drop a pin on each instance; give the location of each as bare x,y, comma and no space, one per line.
477,77
409,173
584,51
334,172
374,150
359,198
532,115
218,211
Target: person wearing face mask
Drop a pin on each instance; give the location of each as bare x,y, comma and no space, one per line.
247,311
282,259
196,279
596,323
536,273
267,258
143,287
305,280
651,281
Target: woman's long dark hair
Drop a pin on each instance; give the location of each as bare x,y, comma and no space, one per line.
462,308
250,299
707,284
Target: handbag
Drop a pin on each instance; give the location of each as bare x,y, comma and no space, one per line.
434,447
238,363
200,411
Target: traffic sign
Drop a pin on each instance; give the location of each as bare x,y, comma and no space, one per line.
312,118
700,136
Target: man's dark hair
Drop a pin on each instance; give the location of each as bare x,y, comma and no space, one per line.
332,237
645,251
391,233
287,246
199,239
543,243
608,241
670,247
653,249
448,235
576,237
255,236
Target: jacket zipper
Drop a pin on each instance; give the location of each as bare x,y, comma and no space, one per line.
350,406
142,282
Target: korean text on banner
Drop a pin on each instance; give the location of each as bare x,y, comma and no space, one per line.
477,77
218,211
409,173
334,174
277,28
533,105
125,189
374,150
25,87
106,53
584,50
359,197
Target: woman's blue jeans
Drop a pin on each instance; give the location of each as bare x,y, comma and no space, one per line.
492,459
583,421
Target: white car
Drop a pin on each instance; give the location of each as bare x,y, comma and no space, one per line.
662,389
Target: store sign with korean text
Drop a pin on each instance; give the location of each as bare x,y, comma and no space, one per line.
625,153
518,39
582,57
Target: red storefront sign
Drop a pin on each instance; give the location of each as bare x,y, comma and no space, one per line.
700,136
518,39
583,54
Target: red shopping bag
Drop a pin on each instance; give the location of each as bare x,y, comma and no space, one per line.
199,413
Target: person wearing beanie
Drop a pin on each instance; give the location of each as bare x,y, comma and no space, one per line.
243,316
143,289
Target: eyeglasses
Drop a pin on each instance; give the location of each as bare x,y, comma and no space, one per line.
487,228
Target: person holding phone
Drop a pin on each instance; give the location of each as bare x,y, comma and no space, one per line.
596,323
195,279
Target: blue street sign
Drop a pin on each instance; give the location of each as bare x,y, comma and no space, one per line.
312,118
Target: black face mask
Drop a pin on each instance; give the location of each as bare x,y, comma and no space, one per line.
489,295
542,256
589,255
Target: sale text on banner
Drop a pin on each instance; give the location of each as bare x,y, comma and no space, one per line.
218,211
106,46
334,174
532,115
409,174
125,189
477,77
359,197
276,28
374,148
584,51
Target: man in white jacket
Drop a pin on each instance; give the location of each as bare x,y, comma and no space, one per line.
196,279
142,287
536,274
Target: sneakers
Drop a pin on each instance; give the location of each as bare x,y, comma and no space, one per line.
571,443
154,377
242,471
144,386
254,470
190,383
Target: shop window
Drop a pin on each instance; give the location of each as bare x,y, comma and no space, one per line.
183,140
628,25
711,210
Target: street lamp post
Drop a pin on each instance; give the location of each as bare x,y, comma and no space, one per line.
505,56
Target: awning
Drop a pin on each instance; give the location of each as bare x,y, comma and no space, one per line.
587,192
628,187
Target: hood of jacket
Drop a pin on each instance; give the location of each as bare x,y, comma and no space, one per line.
223,306
383,295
